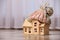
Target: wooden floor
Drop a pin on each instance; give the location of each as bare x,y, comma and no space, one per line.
18,35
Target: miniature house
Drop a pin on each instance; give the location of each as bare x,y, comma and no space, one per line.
35,27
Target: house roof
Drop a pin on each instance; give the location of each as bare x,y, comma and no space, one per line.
27,23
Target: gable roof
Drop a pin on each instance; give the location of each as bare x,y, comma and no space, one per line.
42,25
27,23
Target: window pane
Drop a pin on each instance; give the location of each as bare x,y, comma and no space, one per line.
35,29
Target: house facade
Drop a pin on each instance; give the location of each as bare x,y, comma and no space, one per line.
35,27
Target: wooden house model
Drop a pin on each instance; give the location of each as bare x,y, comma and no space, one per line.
35,27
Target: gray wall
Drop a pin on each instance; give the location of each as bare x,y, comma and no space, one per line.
13,12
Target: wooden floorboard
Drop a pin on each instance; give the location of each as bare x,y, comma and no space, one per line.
18,35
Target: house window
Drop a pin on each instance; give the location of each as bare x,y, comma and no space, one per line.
35,24
29,30
35,29
25,29
41,29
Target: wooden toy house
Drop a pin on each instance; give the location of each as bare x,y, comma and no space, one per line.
35,27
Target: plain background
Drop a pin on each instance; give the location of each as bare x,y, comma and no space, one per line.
13,12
